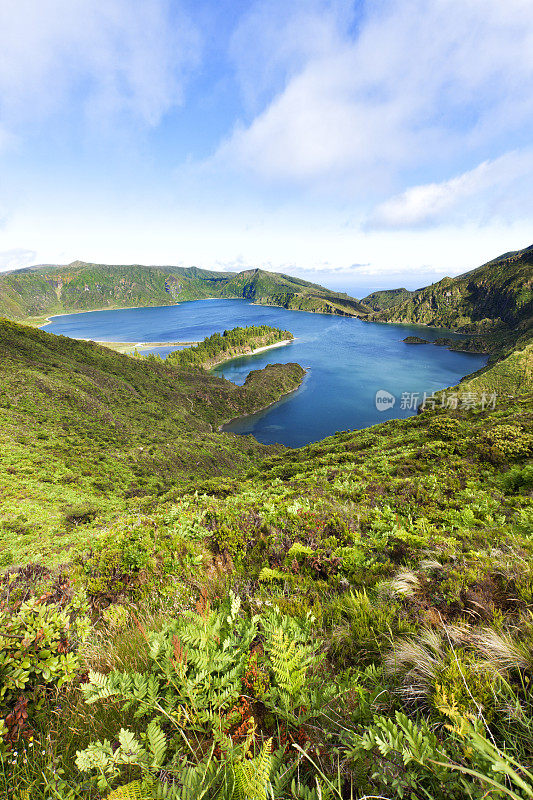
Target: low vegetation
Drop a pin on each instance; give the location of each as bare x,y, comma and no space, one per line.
186,614
350,619
31,294
86,432
223,346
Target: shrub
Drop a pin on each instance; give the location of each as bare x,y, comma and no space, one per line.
122,561
516,479
445,428
80,514
38,650
506,442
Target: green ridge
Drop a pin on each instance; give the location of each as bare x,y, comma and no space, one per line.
386,298
37,292
496,297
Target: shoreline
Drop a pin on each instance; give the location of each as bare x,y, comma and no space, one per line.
222,425
302,310
120,308
90,311
253,352
49,319
121,346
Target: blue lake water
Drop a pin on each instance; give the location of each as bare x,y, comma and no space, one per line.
347,360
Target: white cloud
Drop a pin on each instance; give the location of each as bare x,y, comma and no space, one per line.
16,257
110,58
421,85
499,188
284,38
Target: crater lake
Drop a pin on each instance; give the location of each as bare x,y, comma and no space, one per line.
347,361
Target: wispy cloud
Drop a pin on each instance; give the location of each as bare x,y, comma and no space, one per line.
494,189
285,37
16,258
416,86
100,59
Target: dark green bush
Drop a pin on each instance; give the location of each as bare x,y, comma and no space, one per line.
80,514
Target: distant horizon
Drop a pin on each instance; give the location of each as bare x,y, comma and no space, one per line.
329,280
376,143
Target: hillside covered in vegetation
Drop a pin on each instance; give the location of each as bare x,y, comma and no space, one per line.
84,429
494,298
386,298
271,288
188,614
37,292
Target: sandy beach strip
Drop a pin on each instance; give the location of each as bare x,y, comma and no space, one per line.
268,347
123,346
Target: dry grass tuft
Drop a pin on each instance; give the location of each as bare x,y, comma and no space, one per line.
405,584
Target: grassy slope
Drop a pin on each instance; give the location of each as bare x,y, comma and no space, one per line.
508,377
82,287
270,288
81,424
386,298
419,526
409,527
497,294
37,292
392,494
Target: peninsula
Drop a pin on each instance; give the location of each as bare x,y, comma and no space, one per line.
217,348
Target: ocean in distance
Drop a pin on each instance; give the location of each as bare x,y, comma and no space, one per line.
347,361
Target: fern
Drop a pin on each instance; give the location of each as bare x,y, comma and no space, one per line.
420,752
252,775
412,742
289,663
157,744
292,689
130,791
268,575
193,687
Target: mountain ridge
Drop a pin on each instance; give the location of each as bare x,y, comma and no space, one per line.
355,596
495,295
44,290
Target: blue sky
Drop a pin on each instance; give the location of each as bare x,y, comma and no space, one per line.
361,144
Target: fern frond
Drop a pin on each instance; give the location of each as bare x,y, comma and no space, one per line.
289,662
252,775
130,791
157,743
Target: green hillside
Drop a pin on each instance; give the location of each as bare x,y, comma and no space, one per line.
189,614
386,298
509,376
496,297
81,424
81,287
42,291
271,288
